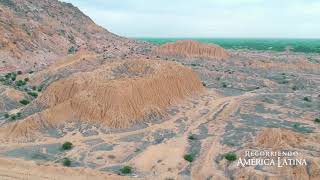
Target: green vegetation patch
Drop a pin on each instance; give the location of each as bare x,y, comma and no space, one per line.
188,157
126,170
24,101
230,156
67,146
66,162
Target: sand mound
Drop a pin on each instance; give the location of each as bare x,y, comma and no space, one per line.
116,95
279,138
192,49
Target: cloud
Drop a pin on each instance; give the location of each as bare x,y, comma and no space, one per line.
206,18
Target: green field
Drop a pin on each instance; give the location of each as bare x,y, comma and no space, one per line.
296,45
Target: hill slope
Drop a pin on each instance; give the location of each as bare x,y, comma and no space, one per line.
34,33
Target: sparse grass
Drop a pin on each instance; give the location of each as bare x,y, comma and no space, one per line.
126,170
24,101
188,157
67,146
230,156
66,162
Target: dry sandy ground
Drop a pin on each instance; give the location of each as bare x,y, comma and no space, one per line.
243,108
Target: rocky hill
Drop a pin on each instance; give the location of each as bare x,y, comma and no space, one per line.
191,49
35,33
116,95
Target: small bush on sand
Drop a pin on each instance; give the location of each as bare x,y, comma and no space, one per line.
24,102
126,170
230,156
67,146
317,120
66,162
188,157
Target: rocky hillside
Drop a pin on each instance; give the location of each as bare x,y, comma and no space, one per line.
35,33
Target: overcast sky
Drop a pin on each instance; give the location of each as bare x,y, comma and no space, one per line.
206,18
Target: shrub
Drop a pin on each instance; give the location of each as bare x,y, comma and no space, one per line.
317,120
13,117
224,85
40,88
294,88
126,170
66,162
21,83
8,76
31,72
67,146
19,72
26,79
191,137
72,50
204,84
6,116
188,157
19,115
230,156
25,102
13,78
33,94
307,99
